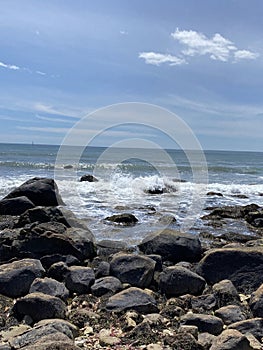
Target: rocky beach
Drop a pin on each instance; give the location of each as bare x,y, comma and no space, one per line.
62,289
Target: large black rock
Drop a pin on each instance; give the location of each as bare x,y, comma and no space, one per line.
172,245
40,191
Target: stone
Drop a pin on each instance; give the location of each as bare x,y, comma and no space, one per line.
47,239
183,341
63,326
102,269
230,314
39,306
204,303
137,270
15,206
256,302
225,293
172,245
17,276
124,219
132,298
176,280
49,260
49,286
231,339
107,339
253,326
205,340
40,191
55,341
189,329
58,271
88,178
205,323
243,266
106,285
79,279
108,247
211,193
231,212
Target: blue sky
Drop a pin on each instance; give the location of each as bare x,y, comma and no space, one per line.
201,59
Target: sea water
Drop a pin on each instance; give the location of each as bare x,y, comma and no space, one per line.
125,181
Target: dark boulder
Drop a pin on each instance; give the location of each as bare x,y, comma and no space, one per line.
88,178
58,271
106,285
39,306
79,279
37,242
108,247
176,280
49,286
15,206
205,323
231,212
253,326
255,218
17,277
211,193
243,266
40,191
256,302
230,314
172,245
225,293
137,270
123,219
231,339
132,299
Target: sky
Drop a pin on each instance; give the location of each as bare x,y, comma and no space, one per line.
200,59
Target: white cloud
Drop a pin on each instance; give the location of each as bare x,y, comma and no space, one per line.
159,58
9,66
217,47
245,54
57,120
59,110
123,32
40,73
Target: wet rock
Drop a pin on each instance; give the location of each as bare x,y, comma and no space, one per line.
230,314
172,245
39,306
155,190
256,302
102,269
205,323
231,212
231,339
88,178
49,286
243,266
17,277
253,326
79,279
124,219
211,193
40,191
106,285
41,214
255,218
158,261
15,206
167,220
137,270
49,260
176,280
132,299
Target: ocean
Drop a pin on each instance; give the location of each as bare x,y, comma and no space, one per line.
128,179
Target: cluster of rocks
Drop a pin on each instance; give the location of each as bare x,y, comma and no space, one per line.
59,289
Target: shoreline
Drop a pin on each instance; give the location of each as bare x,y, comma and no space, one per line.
62,288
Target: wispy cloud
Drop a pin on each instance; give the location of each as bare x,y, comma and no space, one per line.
24,69
59,110
195,43
9,66
158,58
123,32
57,120
44,129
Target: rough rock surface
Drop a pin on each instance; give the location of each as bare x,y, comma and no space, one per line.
172,245
137,270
